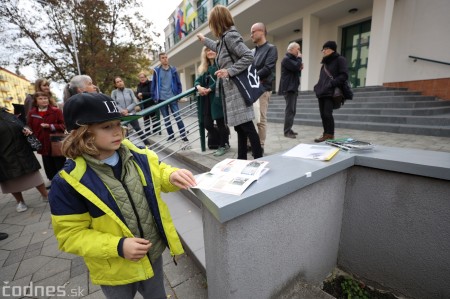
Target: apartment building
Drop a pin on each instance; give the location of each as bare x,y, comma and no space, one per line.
13,89
402,43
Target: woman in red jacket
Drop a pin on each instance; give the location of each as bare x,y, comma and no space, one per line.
45,119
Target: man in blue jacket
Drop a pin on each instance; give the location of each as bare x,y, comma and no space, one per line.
165,85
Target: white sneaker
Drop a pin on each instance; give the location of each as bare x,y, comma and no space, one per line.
21,207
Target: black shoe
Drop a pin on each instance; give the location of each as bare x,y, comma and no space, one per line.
3,236
171,138
295,133
146,142
185,139
290,135
249,148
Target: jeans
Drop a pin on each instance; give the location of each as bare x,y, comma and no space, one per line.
326,114
290,111
176,113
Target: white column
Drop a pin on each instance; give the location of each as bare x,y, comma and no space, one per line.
310,52
382,13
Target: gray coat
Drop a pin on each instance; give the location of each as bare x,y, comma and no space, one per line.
236,112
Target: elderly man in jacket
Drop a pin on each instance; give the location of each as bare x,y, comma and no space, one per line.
291,67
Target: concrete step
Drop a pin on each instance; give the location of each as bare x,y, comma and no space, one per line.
427,111
279,106
371,98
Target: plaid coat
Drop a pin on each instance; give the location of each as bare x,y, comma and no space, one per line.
236,112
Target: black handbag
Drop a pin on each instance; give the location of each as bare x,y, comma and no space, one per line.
247,82
338,96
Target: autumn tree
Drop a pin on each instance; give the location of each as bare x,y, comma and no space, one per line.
111,38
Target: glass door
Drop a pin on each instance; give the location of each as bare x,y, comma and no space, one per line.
355,48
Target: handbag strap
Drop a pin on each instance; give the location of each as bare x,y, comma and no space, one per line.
326,71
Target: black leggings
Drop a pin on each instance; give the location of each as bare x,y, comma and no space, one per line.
244,131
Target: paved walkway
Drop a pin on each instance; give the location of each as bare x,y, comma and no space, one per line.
30,259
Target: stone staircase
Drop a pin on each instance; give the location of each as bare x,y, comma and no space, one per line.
375,108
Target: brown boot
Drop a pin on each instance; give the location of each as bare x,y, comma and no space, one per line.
324,137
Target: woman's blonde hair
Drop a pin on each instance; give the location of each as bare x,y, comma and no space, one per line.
37,88
81,141
220,20
204,61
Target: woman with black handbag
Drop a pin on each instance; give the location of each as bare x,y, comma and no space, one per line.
19,168
233,57
335,65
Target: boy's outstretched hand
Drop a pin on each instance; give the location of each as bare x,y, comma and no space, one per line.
182,178
135,248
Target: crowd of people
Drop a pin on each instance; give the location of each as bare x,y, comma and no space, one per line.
105,191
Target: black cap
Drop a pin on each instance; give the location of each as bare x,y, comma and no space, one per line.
330,44
90,108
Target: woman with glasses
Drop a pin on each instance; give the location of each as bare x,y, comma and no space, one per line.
334,73
209,102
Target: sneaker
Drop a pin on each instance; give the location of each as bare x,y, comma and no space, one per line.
185,139
21,207
44,198
290,135
220,152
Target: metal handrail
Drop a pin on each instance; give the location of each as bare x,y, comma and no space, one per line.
429,60
160,144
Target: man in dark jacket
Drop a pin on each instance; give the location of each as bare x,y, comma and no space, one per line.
266,56
143,92
336,66
291,67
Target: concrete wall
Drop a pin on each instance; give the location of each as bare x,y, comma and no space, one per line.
254,255
396,231
381,215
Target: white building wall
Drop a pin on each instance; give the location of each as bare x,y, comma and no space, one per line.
419,28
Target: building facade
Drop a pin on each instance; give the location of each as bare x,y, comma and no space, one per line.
13,89
402,43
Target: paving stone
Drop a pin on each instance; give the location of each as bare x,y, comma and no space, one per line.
96,295
31,254
54,266
31,266
23,218
23,282
93,288
194,288
185,270
16,243
42,236
53,281
77,270
36,227
35,246
10,229
7,272
76,287
50,249
15,256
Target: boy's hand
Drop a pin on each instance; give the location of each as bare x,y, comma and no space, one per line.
135,248
182,178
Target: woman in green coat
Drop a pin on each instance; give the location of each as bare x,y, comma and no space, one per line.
210,106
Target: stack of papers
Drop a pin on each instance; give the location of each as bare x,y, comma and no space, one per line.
350,144
232,176
312,151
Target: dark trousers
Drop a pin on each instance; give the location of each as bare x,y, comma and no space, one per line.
221,128
244,131
326,114
290,111
52,165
